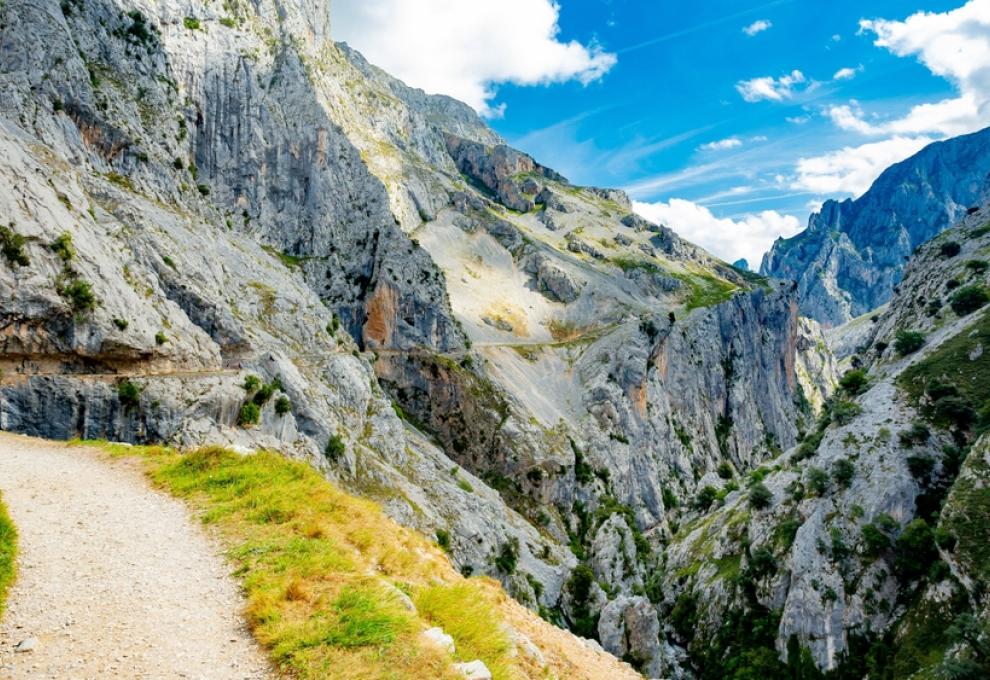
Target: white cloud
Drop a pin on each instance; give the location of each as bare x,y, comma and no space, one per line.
798,120
769,88
846,73
722,144
729,239
954,45
464,49
853,169
757,27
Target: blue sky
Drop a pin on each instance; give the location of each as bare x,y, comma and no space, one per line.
729,119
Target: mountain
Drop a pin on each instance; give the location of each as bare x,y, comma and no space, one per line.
853,253
858,551
223,228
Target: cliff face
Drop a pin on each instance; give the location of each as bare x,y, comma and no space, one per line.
219,226
853,253
855,541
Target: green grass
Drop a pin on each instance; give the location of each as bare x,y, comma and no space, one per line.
290,261
706,290
950,363
8,550
322,572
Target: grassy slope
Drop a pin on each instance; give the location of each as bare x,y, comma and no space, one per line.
324,572
8,549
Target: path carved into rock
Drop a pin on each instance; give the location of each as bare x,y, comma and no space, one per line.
115,580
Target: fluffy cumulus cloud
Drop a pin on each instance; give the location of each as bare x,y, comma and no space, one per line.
729,239
852,170
954,45
464,49
845,73
722,144
757,27
770,88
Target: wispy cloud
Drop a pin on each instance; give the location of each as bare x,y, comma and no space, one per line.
846,73
722,144
757,27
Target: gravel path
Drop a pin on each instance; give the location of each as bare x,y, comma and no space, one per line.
114,579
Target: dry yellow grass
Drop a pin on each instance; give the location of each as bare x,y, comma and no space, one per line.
323,571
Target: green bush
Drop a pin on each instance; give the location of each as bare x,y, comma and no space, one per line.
969,299
760,496
875,541
251,384
843,412
264,393
579,585
249,415
283,405
335,448
12,246
917,435
725,470
950,249
62,246
121,324
908,342
817,481
915,551
443,539
508,556
977,266
129,394
80,295
843,472
191,23
160,338
706,497
854,382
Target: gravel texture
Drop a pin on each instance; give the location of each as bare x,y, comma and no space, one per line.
114,579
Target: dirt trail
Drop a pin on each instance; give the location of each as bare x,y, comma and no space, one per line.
115,579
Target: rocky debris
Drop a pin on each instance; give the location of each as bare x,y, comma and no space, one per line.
615,195
27,645
436,636
637,223
623,240
552,201
553,281
853,253
577,245
474,670
549,220
629,629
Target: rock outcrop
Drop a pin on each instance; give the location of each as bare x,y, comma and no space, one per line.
853,253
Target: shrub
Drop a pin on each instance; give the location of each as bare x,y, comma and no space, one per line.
160,338
875,541
760,496
706,497
80,295
12,246
843,472
725,470
950,249
854,382
817,481
335,448
264,393
915,550
921,467
977,266
249,415
954,410
508,556
129,394
908,342
283,405
969,299
918,434
62,246
252,383
178,164
203,189
843,412
443,539
191,23
579,585
121,324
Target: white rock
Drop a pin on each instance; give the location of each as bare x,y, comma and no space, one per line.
474,670
439,638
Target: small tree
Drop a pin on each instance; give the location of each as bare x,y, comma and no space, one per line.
950,249
968,299
129,394
706,497
282,405
249,415
335,448
817,481
843,472
908,342
854,382
760,497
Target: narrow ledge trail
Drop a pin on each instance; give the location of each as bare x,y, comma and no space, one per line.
115,579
